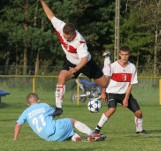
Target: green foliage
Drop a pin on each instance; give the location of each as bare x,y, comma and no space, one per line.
138,30
24,26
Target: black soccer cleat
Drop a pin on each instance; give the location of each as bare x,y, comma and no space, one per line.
97,131
142,132
58,112
98,137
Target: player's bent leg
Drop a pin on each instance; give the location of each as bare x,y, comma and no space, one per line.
138,113
138,120
102,81
104,118
75,138
86,130
83,128
139,123
64,75
59,95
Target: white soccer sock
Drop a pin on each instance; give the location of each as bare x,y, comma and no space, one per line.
139,124
74,137
83,128
102,121
59,95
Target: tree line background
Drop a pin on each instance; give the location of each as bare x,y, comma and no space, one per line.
30,46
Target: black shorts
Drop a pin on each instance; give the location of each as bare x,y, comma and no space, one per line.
113,99
91,69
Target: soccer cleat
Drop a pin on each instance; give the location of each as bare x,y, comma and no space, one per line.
97,131
94,138
88,139
98,137
142,132
57,112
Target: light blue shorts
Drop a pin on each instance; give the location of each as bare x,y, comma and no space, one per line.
63,131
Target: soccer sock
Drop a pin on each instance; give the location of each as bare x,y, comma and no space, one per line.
75,137
59,95
139,124
102,121
83,128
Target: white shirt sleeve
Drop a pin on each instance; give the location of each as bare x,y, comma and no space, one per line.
134,76
57,23
82,51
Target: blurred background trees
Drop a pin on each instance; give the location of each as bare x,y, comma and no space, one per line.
28,42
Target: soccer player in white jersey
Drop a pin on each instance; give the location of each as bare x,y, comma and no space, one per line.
122,76
78,58
39,116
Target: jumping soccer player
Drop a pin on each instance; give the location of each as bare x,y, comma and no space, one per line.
78,61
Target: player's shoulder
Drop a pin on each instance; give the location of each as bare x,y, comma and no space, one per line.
79,38
114,63
131,64
43,104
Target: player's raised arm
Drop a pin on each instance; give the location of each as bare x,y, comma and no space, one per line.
47,10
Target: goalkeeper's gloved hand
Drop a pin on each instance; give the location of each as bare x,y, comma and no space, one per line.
58,112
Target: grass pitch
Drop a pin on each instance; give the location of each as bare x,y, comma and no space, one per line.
119,130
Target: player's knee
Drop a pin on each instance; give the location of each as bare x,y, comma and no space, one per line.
109,112
113,110
61,79
74,120
102,82
138,114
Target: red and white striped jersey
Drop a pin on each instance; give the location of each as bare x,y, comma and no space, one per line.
121,77
74,50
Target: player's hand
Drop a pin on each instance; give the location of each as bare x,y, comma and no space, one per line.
72,70
125,103
103,96
58,112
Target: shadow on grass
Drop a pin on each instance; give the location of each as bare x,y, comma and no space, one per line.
7,120
154,131
3,105
151,134
70,149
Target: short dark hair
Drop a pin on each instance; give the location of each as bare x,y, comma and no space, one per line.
124,48
69,29
32,97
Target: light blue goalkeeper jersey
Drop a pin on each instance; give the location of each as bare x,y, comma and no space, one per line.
40,120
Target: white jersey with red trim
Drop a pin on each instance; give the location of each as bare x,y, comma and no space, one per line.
74,50
121,77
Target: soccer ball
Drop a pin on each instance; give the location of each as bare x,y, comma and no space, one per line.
94,106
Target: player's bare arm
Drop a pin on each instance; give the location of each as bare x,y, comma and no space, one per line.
84,60
47,10
103,94
104,98
17,131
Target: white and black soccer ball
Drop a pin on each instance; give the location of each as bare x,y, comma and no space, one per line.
94,106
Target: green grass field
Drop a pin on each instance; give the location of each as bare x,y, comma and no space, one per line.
120,129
